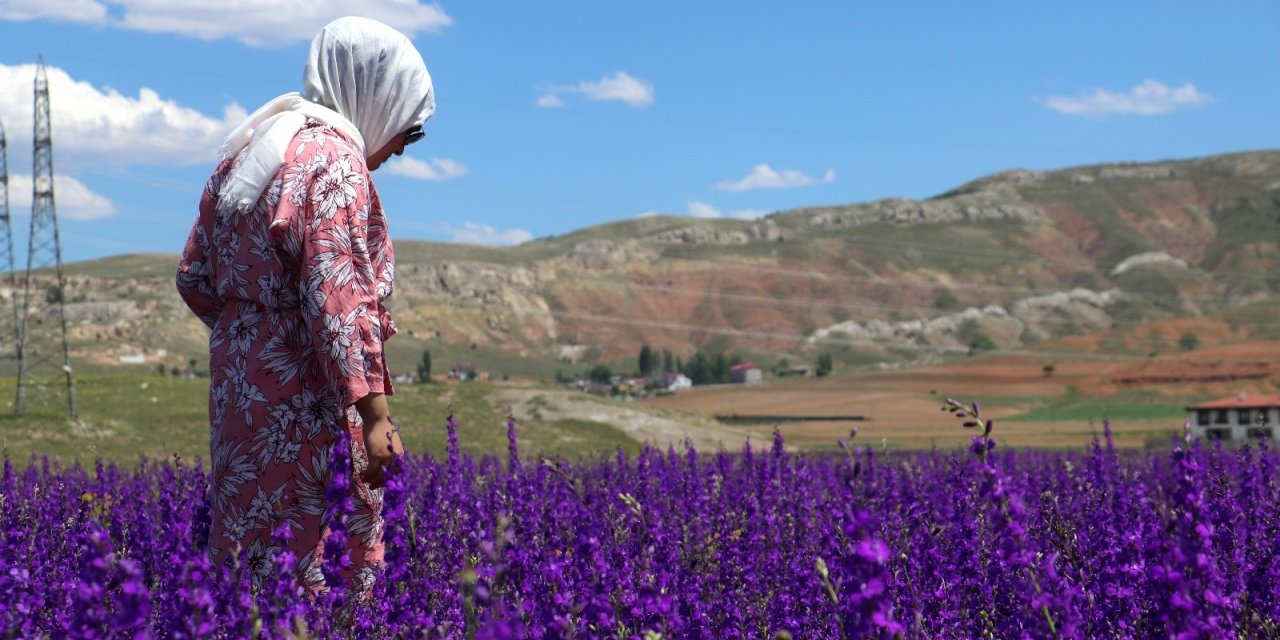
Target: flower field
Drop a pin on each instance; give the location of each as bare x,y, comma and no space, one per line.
762,543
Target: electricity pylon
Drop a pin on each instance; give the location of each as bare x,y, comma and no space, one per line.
6,251
43,321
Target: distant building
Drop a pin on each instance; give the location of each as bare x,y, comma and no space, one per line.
674,381
745,373
463,371
1240,417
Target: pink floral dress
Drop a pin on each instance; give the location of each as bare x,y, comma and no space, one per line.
292,292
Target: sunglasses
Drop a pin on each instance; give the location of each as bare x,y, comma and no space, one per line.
413,135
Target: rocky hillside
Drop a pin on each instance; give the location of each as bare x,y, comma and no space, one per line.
1011,260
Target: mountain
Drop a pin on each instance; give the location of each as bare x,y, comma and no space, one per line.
1016,260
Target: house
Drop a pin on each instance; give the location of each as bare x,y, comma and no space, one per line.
463,371
634,384
673,381
797,370
1240,417
746,373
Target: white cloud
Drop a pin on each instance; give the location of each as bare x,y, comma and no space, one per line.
72,200
104,127
549,100
435,169
765,177
261,23
89,11
472,233
619,86
700,209
703,210
1149,98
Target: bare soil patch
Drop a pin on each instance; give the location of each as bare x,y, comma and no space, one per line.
644,424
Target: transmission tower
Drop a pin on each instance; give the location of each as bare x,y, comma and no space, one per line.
44,361
6,253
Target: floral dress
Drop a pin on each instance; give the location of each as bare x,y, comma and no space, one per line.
292,292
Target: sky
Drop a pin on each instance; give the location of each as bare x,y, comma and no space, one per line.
555,116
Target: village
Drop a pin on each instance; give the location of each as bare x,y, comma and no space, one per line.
602,381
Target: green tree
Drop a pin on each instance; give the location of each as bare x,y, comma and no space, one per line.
945,300
1189,341
981,342
1048,369
600,373
699,369
424,367
668,363
646,360
719,368
825,365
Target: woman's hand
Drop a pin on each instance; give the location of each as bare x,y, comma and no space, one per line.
381,437
382,444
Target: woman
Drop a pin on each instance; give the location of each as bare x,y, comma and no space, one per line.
288,264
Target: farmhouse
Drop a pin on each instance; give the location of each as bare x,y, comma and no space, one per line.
1239,417
674,381
466,371
745,373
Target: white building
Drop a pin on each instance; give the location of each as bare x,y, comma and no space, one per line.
678,381
746,373
1240,417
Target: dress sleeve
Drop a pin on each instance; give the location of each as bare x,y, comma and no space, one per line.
339,292
195,276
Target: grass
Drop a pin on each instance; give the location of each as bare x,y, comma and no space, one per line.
122,417
1117,409
129,416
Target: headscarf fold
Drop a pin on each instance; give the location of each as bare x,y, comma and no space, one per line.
362,77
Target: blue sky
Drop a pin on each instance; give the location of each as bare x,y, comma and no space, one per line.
553,116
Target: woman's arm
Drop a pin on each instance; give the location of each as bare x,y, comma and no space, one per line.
195,276
341,303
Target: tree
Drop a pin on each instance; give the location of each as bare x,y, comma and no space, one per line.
1189,341
600,373
699,369
945,300
981,342
825,365
720,368
424,367
1048,369
646,360
668,364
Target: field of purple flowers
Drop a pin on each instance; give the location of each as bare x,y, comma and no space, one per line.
767,543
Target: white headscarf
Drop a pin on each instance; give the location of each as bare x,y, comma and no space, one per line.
362,77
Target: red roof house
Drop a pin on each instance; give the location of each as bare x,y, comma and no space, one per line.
1239,417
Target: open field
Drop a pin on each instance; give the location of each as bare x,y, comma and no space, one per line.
126,416
1031,408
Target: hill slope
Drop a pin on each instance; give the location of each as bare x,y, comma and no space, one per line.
1017,259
